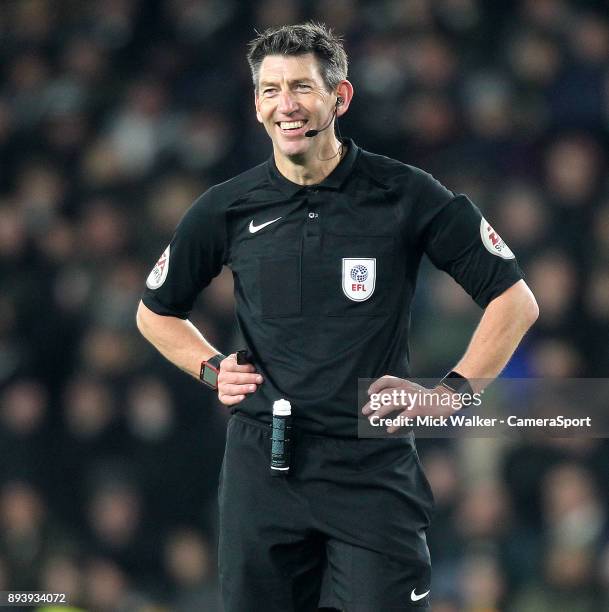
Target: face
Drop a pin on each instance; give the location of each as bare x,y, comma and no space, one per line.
291,99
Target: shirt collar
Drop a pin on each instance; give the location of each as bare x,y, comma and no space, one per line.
334,180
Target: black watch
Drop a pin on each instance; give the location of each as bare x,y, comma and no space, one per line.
210,370
457,383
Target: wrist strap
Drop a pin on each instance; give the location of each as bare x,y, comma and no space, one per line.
457,383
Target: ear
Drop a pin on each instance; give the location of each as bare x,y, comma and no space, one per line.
345,92
257,106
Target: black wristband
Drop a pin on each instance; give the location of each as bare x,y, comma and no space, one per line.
457,383
210,370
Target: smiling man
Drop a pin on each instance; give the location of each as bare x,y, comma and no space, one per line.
324,241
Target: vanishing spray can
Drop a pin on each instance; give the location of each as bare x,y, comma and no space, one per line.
280,438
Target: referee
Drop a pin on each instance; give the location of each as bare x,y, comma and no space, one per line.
324,241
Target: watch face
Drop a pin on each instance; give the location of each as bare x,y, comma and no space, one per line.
210,376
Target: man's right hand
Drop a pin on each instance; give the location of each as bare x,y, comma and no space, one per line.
236,381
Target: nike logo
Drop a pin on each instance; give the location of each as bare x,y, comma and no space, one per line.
416,597
257,228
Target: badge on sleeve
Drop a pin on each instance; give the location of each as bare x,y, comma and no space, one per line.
493,242
359,276
158,274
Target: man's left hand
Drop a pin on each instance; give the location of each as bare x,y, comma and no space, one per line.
394,387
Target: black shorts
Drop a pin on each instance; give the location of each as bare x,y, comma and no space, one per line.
346,528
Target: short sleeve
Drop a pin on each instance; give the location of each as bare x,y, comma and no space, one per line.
459,240
194,256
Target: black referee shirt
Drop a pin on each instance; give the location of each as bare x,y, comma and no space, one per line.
325,274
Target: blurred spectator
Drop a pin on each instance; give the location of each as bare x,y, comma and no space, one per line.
117,529
197,21
142,128
554,358
155,438
63,574
190,564
553,279
40,194
23,413
104,228
26,534
91,433
169,198
573,170
577,98
489,105
566,584
108,588
105,351
100,166
548,15
574,515
118,294
523,218
483,583
13,235
28,80
441,470
277,12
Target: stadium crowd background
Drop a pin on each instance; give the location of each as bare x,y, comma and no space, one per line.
116,114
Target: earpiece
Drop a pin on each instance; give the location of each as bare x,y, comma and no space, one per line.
339,101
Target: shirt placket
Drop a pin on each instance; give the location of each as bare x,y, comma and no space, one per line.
311,252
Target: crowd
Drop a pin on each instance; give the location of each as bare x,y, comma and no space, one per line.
115,115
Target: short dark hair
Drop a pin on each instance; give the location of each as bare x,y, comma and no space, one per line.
300,39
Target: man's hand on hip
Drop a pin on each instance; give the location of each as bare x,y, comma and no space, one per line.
409,396
236,381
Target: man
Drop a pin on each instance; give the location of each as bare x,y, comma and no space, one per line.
324,241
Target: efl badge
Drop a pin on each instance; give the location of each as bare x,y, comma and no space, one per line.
493,242
159,273
359,276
